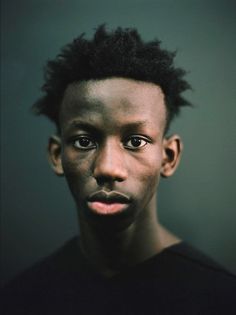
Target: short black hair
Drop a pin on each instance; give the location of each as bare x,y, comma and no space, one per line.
118,53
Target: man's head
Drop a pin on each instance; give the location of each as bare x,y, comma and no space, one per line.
112,100
121,53
112,148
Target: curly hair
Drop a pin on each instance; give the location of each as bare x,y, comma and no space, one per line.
119,53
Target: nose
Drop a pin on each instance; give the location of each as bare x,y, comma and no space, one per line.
110,165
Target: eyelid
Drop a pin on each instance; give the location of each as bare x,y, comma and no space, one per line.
141,137
78,137
146,138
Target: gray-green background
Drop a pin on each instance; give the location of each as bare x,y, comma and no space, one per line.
198,203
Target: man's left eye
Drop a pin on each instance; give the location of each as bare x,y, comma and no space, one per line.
135,143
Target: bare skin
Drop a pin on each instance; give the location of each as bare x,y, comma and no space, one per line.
113,151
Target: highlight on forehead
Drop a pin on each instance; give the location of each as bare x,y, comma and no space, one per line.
135,100
119,85
91,87
112,88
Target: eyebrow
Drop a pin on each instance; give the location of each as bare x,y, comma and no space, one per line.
92,126
132,126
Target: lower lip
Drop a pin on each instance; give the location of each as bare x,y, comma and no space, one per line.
107,208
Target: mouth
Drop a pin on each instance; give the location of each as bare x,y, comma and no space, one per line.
108,203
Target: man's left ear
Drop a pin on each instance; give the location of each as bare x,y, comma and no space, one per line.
172,149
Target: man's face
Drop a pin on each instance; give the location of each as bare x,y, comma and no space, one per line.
112,146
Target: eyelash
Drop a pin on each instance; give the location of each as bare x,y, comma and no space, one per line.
141,140
84,137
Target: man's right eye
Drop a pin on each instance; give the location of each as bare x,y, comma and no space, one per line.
84,143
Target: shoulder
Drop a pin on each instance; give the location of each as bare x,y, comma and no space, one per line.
190,259
45,283
192,267
195,280
51,274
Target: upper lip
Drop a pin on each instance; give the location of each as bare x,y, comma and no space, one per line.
109,197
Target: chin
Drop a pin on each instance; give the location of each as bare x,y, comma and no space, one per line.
109,222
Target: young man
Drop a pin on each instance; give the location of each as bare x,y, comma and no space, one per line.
112,99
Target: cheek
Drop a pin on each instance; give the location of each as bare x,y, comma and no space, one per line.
77,172
74,164
150,183
148,174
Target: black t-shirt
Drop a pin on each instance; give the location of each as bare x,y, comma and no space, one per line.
179,280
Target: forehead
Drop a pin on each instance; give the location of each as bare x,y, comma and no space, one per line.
113,99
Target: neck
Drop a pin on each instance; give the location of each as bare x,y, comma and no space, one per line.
110,252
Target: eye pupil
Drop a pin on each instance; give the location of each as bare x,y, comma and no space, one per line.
136,142
84,142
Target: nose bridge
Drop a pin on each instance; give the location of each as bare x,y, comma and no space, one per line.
110,162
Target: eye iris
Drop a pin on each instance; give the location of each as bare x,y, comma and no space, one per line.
136,142
84,142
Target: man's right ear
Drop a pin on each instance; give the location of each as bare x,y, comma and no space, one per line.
54,154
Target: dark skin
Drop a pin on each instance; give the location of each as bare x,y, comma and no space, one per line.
112,150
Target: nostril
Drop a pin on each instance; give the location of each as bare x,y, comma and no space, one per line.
101,180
